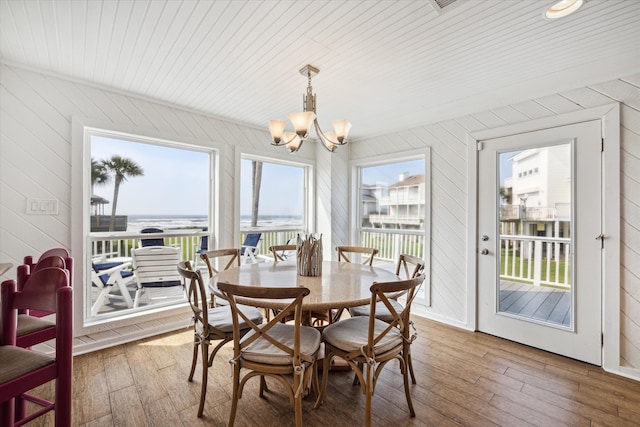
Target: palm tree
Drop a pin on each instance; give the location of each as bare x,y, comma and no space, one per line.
257,182
99,175
122,168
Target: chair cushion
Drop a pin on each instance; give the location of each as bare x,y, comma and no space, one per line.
28,324
163,284
352,333
17,361
262,351
220,317
382,312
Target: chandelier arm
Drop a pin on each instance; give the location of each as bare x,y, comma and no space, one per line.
282,144
326,142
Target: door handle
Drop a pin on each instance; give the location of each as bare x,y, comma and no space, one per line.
485,252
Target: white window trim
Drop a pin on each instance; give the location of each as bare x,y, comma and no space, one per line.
80,194
309,216
354,216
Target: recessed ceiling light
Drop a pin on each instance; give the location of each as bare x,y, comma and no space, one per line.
562,8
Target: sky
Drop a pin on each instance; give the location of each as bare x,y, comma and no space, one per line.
175,181
281,189
389,174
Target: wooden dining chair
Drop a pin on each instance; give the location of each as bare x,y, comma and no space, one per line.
275,349
230,255
367,253
368,343
282,252
209,324
408,266
343,256
22,369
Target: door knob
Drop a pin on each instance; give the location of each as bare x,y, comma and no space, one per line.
485,252
485,237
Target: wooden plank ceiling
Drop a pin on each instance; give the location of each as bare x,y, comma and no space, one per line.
385,65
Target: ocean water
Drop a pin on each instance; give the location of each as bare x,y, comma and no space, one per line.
171,222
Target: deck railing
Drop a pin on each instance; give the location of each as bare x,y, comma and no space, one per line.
118,244
536,260
391,243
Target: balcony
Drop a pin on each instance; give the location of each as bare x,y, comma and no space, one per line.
415,220
561,212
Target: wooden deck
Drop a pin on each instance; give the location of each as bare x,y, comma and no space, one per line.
536,302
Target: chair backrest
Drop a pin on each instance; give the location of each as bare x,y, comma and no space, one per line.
48,290
38,293
251,243
156,265
25,272
294,297
197,296
280,252
412,266
232,253
344,250
61,252
383,292
153,241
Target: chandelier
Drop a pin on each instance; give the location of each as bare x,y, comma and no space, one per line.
302,122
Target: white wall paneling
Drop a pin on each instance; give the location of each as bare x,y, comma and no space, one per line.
35,162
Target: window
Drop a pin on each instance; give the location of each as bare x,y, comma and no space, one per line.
393,210
137,184
275,199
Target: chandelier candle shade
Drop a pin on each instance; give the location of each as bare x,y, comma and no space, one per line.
302,123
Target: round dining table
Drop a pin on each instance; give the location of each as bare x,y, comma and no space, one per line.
341,284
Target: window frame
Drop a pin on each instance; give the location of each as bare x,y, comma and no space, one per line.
355,225
308,167
82,130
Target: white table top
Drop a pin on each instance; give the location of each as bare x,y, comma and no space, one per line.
341,284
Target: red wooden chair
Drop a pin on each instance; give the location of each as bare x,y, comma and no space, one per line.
61,252
48,290
33,328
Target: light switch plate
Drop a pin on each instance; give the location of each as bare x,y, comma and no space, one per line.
42,206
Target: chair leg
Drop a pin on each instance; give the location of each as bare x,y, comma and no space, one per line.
326,364
263,386
405,376
298,399
205,373
7,412
410,363
368,391
234,394
64,399
194,359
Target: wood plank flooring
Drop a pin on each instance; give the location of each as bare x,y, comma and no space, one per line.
464,378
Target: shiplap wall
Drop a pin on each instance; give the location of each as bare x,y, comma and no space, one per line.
449,186
35,152
36,113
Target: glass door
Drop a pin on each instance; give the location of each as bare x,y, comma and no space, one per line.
539,257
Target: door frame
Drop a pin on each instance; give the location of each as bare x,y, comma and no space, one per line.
609,115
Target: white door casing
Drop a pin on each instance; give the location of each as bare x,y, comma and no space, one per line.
609,118
580,337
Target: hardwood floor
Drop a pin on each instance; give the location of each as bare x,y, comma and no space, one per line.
464,378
